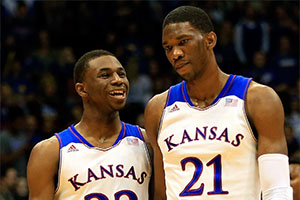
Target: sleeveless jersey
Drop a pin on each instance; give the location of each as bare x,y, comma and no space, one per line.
119,172
209,153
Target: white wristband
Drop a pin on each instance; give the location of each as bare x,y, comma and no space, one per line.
284,193
274,177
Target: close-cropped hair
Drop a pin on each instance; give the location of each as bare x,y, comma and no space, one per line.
83,63
197,18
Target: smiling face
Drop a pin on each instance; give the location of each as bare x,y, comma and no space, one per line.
105,83
186,49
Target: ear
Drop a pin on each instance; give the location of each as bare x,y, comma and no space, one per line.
80,89
211,40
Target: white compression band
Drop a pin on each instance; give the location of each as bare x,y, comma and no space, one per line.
275,177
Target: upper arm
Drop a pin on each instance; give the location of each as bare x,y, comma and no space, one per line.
42,169
153,114
265,110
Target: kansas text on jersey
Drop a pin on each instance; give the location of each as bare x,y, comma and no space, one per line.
88,172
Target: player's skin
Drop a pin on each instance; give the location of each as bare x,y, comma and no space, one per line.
295,180
100,119
191,54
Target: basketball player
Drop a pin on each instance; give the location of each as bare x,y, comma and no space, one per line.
100,157
215,136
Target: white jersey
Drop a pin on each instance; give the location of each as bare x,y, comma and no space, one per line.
86,172
209,153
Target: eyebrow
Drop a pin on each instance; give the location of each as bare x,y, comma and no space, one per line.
108,69
178,38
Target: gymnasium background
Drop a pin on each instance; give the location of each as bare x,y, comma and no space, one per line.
41,41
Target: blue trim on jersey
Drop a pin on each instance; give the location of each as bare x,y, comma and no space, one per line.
235,85
239,87
225,88
72,135
175,93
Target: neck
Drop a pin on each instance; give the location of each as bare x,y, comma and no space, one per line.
99,126
205,89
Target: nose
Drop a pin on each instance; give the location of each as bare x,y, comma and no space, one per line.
116,79
177,53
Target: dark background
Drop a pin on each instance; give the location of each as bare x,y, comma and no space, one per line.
41,41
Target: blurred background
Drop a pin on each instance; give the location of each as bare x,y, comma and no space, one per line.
41,41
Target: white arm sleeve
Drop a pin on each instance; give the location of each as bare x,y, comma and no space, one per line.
274,176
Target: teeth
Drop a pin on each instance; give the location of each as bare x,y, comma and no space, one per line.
117,92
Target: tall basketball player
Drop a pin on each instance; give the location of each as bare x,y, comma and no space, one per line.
100,157
215,136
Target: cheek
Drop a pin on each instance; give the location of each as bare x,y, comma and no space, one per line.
168,55
127,83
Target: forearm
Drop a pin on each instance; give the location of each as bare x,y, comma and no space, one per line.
275,177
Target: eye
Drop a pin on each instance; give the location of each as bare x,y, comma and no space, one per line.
183,41
167,48
104,75
122,74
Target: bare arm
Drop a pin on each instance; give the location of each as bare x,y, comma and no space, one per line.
266,112
42,169
150,150
153,113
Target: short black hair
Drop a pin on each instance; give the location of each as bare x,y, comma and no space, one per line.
197,18
83,63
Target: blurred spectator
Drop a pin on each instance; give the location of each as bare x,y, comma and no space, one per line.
286,64
285,22
224,51
295,180
8,184
8,99
20,25
14,75
250,35
14,142
12,186
293,144
160,78
260,71
9,50
44,56
21,189
140,84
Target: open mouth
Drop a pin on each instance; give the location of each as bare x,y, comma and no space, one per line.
120,94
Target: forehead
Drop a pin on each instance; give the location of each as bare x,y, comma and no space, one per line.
174,30
105,62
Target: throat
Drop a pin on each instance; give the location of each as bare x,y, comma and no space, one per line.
201,103
102,140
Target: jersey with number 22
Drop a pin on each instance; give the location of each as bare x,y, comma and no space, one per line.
120,172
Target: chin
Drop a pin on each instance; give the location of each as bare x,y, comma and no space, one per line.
120,106
185,77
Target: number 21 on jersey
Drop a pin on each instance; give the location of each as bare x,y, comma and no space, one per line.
216,162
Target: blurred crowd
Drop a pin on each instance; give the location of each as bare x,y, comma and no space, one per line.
41,41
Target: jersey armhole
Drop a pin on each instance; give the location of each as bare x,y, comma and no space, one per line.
59,140
56,177
141,133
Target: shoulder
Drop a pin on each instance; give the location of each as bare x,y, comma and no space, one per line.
46,147
42,169
44,158
263,103
153,113
261,94
156,103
